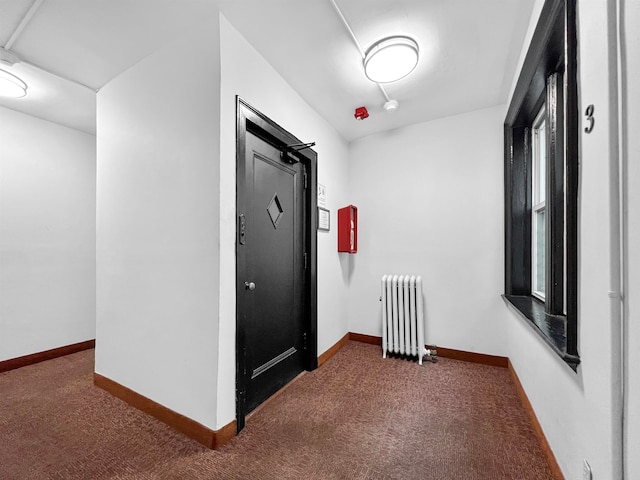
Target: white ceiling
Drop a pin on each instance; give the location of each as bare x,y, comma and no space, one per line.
469,50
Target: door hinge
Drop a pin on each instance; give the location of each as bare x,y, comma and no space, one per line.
305,180
305,260
304,341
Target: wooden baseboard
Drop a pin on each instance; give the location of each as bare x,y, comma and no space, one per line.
224,435
442,352
362,338
358,337
333,350
551,458
472,357
209,438
18,362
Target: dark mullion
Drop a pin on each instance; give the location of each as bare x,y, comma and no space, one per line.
572,129
508,215
518,208
526,198
554,208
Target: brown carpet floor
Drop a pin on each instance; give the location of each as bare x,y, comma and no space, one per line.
356,417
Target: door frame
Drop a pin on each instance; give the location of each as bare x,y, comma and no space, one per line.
250,119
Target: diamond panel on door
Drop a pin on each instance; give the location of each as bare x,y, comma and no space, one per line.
275,210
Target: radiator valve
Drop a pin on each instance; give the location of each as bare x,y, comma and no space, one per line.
431,354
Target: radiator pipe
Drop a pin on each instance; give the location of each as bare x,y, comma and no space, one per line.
23,23
619,259
355,40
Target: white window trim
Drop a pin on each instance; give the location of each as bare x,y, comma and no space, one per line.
536,205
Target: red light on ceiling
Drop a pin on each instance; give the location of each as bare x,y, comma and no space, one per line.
361,113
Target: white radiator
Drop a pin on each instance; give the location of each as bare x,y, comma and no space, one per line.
403,316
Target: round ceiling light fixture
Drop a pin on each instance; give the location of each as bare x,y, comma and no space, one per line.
11,86
391,59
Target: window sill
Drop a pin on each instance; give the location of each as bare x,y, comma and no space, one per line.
552,328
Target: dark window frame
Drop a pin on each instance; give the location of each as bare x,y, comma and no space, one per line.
548,76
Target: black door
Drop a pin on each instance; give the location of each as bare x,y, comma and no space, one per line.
272,264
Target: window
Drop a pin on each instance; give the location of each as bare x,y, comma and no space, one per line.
541,184
538,189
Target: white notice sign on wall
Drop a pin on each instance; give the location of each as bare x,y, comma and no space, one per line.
322,195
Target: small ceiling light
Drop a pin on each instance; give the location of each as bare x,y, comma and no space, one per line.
11,86
391,59
391,106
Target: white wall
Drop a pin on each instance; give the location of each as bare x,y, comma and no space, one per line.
631,50
47,235
166,233
166,218
246,73
579,413
430,203
158,225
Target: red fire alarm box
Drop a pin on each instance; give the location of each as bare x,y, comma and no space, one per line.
348,229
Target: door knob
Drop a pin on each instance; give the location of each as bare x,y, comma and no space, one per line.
249,285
